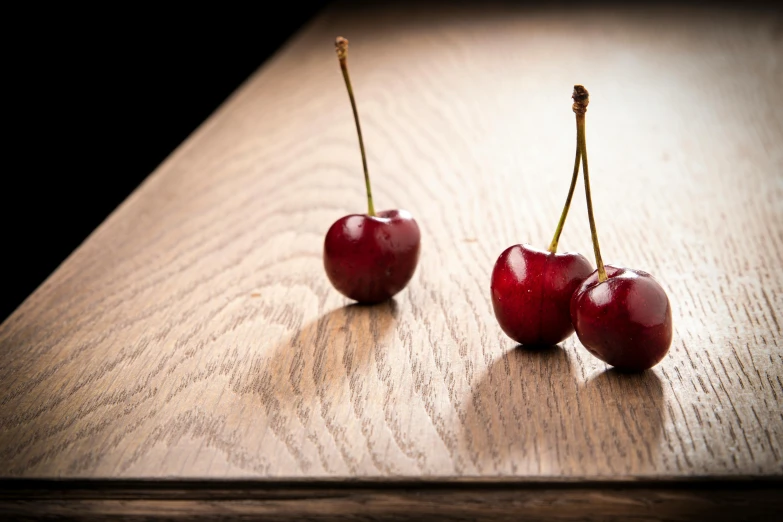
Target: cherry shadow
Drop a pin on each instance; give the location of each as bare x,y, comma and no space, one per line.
532,412
622,418
310,385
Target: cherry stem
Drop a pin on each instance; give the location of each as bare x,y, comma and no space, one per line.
564,214
581,98
341,45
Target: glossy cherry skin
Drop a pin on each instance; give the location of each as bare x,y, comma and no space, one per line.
371,258
531,293
626,321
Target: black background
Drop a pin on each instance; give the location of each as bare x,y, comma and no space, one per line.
96,100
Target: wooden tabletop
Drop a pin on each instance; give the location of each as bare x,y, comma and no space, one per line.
194,337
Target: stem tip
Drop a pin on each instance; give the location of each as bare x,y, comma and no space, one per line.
581,98
341,46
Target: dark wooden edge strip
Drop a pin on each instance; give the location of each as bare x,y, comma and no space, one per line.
680,500
216,489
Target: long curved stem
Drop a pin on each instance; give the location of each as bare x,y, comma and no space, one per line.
342,53
564,214
580,134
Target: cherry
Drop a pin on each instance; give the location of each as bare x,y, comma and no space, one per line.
622,316
370,257
531,291
532,288
625,321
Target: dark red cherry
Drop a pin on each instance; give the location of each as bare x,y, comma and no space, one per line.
626,321
371,258
621,316
531,293
531,288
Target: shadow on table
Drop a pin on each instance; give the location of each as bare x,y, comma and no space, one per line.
314,373
532,413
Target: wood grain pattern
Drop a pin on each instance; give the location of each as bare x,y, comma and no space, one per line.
195,335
